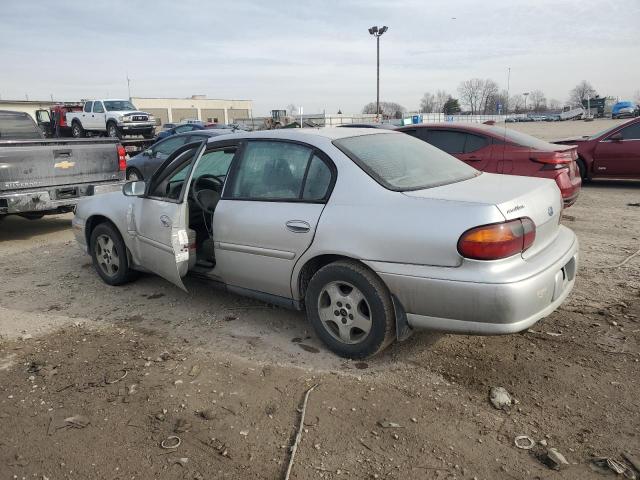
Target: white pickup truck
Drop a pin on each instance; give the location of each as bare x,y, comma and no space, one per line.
115,118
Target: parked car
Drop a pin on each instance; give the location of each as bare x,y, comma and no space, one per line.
613,153
503,150
143,165
40,176
372,232
624,109
115,118
168,126
180,128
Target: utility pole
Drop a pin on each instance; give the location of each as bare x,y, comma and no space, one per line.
377,32
129,86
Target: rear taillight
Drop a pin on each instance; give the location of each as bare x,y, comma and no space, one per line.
556,160
498,240
122,158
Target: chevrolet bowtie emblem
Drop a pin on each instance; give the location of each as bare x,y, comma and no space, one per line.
64,165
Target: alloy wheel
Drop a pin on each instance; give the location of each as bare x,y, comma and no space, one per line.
344,312
107,255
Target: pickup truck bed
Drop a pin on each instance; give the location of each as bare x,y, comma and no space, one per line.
40,176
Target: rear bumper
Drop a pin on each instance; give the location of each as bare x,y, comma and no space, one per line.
52,199
569,188
475,306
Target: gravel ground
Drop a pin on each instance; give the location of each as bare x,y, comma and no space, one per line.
227,375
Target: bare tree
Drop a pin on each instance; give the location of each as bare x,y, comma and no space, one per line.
538,101
292,110
440,100
555,104
477,94
498,101
470,92
516,103
427,104
387,109
581,92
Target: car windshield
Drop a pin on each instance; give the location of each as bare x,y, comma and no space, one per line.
400,162
522,139
118,105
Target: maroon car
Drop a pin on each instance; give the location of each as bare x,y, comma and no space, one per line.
501,150
613,153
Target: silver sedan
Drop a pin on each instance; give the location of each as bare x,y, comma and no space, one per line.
374,233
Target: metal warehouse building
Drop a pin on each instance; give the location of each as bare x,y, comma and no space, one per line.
198,107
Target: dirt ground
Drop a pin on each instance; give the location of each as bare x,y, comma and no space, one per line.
93,379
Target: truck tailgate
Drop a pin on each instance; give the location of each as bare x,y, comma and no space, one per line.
43,163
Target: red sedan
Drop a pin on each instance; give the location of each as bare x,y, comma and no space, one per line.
613,153
502,150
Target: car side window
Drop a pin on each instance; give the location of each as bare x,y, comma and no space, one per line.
318,180
215,162
270,170
448,140
171,182
97,107
475,142
183,128
632,132
87,107
169,146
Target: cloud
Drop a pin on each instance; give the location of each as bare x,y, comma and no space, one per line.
316,54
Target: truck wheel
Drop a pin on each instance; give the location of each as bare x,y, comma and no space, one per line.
109,255
77,131
134,175
350,309
112,130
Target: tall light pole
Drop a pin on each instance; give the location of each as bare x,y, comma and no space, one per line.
377,32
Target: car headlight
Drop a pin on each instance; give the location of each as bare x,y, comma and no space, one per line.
151,118
120,118
127,119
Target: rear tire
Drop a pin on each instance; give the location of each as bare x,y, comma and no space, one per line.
134,175
109,255
350,309
77,131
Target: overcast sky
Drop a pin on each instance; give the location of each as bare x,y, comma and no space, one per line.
317,54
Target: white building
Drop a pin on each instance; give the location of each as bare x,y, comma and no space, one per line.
198,107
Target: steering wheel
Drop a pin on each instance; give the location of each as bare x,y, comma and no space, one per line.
207,196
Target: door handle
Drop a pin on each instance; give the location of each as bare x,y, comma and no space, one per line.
298,226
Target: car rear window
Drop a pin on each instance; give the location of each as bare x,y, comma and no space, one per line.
400,162
521,139
18,126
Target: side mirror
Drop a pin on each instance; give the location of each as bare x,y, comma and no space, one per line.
147,152
616,137
134,189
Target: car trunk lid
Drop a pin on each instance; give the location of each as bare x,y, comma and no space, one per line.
517,196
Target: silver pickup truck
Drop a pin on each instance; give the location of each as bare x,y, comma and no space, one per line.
115,118
39,176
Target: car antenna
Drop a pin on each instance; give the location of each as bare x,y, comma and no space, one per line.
504,139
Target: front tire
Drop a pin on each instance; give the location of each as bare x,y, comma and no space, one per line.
112,130
583,170
109,255
350,309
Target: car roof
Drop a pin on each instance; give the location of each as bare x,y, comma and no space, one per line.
211,132
303,134
470,127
